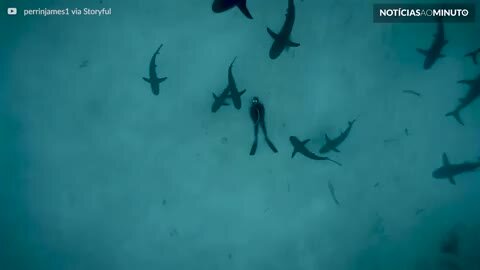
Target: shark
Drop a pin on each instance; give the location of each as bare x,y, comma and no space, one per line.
435,51
219,6
154,80
472,95
300,147
449,170
332,144
231,91
281,41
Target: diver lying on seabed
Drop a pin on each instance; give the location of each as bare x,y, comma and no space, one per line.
257,113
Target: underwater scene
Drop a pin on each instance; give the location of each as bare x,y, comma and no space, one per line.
237,134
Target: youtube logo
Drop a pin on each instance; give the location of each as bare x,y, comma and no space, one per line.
12,11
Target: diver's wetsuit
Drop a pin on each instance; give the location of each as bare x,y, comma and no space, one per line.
257,113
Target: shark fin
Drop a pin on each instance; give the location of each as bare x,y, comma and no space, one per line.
445,160
327,139
456,114
147,80
441,55
473,55
162,79
468,82
242,92
294,152
292,44
214,96
225,103
305,141
242,5
452,180
335,150
422,51
272,34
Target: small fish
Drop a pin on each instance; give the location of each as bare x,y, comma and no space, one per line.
173,232
415,93
84,64
419,211
390,140
376,185
332,192
407,133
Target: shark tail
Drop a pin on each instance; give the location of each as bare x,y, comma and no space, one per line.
336,162
242,5
456,115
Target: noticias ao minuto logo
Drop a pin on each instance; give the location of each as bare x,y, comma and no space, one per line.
391,13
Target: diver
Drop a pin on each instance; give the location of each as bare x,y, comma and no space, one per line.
257,113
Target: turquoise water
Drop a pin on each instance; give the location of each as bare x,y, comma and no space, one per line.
98,173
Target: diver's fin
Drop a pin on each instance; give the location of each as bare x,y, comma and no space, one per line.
270,144
456,114
452,180
147,80
272,34
292,44
253,150
445,160
242,5
422,51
